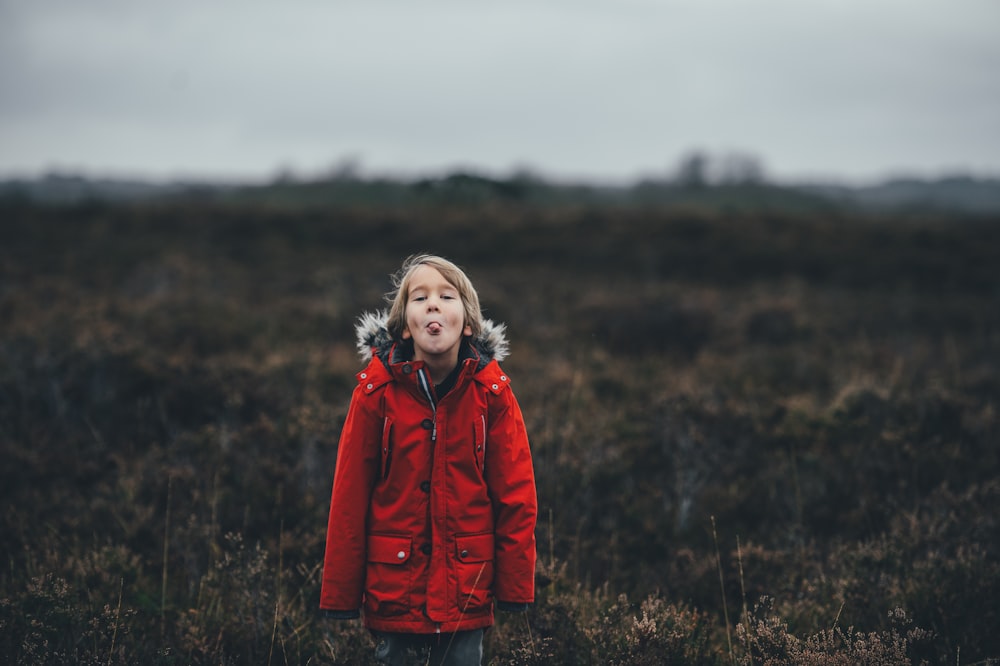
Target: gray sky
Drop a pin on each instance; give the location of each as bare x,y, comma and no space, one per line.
593,89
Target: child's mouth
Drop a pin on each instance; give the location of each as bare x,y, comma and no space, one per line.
433,328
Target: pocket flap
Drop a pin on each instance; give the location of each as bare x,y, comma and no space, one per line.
474,547
389,548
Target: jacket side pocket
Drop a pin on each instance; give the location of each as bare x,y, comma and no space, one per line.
474,554
388,576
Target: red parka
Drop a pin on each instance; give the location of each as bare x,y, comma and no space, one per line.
433,511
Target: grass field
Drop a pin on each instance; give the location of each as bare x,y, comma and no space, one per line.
762,433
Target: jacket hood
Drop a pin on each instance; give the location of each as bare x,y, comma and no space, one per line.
374,337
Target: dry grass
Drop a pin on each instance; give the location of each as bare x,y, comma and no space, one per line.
173,379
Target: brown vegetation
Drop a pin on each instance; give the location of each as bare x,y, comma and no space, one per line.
760,436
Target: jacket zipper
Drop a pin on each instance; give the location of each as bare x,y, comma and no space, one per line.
425,386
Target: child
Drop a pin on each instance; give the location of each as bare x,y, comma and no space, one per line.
433,510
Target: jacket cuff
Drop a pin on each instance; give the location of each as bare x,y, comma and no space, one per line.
512,606
341,614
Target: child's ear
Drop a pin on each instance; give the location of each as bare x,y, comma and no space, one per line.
406,333
467,331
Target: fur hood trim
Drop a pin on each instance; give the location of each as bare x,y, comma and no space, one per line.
373,336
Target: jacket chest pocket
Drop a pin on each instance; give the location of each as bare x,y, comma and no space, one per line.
385,451
474,557
389,578
479,442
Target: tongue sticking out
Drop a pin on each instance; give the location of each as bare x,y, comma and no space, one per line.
434,328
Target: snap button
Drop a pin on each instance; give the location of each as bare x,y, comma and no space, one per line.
401,555
503,378
464,554
364,375
369,387
496,386
427,424
426,549
425,486
407,369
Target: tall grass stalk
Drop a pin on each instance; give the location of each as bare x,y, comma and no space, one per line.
552,539
475,585
836,620
118,614
743,590
531,638
166,550
743,587
799,513
722,587
277,592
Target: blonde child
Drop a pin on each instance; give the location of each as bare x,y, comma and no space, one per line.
432,517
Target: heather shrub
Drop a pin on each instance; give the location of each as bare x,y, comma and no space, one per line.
235,608
765,640
939,563
47,623
173,378
555,628
655,633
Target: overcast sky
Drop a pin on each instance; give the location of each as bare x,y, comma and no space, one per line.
593,89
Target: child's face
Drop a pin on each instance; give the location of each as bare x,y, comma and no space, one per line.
435,317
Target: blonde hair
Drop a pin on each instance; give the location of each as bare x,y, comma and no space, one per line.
455,276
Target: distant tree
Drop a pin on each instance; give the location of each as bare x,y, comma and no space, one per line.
693,170
284,175
740,169
347,168
699,169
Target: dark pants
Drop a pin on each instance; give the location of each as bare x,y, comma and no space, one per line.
463,648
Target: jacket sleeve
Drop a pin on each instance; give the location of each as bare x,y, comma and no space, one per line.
353,479
510,478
